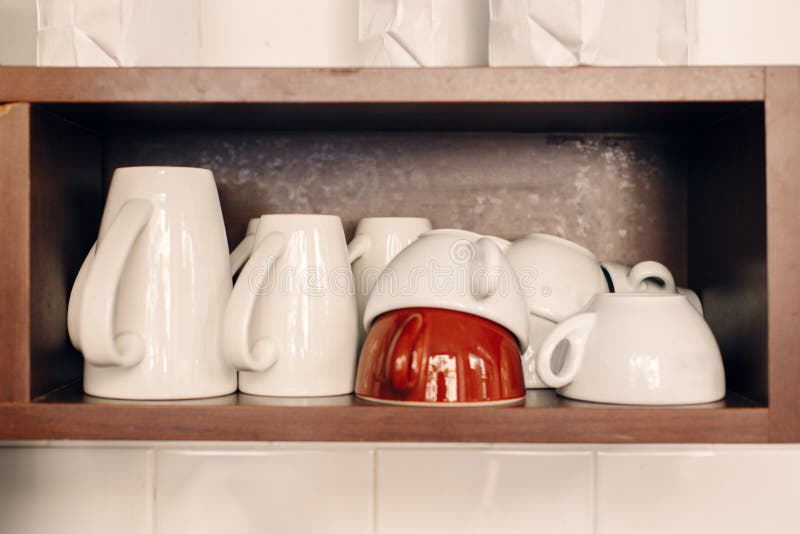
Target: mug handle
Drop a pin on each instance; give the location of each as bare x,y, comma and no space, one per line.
651,269
405,359
529,360
97,291
489,259
358,247
76,298
241,253
239,311
576,330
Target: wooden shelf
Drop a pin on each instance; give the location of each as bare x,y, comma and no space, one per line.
543,417
703,160
395,85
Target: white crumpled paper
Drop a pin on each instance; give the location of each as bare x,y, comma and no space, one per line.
197,32
117,32
424,33
591,32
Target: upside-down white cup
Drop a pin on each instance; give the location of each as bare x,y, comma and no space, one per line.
146,307
456,270
290,324
558,278
635,348
376,242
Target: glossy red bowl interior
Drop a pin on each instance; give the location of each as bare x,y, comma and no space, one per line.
430,355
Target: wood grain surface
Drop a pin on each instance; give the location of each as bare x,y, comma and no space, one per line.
65,203
543,417
783,251
727,234
480,84
15,256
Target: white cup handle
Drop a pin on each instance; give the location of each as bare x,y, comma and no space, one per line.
97,292
239,311
243,250
240,254
358,247
576,330
529,359
486,268
76,299
651,269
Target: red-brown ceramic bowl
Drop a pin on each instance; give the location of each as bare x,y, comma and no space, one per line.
439,357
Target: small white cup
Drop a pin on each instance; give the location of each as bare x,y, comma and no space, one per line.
635,348
453,270
557,278
376,242
290,324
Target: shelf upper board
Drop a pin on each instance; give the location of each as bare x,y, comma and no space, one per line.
543,418
381,85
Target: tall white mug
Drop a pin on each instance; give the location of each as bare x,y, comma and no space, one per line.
146,307
290,324
376,242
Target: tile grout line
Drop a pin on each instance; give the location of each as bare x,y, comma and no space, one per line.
374,458
594,491
153,469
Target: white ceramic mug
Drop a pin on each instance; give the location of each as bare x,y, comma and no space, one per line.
648,276
290,324
557,277
146,307
635,348
376,242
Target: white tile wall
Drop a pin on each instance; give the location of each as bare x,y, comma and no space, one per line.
75,490
255,491
699,491
475,491
166,488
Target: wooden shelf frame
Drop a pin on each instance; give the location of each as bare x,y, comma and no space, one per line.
381,85
31,332
543,418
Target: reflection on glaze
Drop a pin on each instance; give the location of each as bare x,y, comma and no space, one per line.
645,370
441,370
